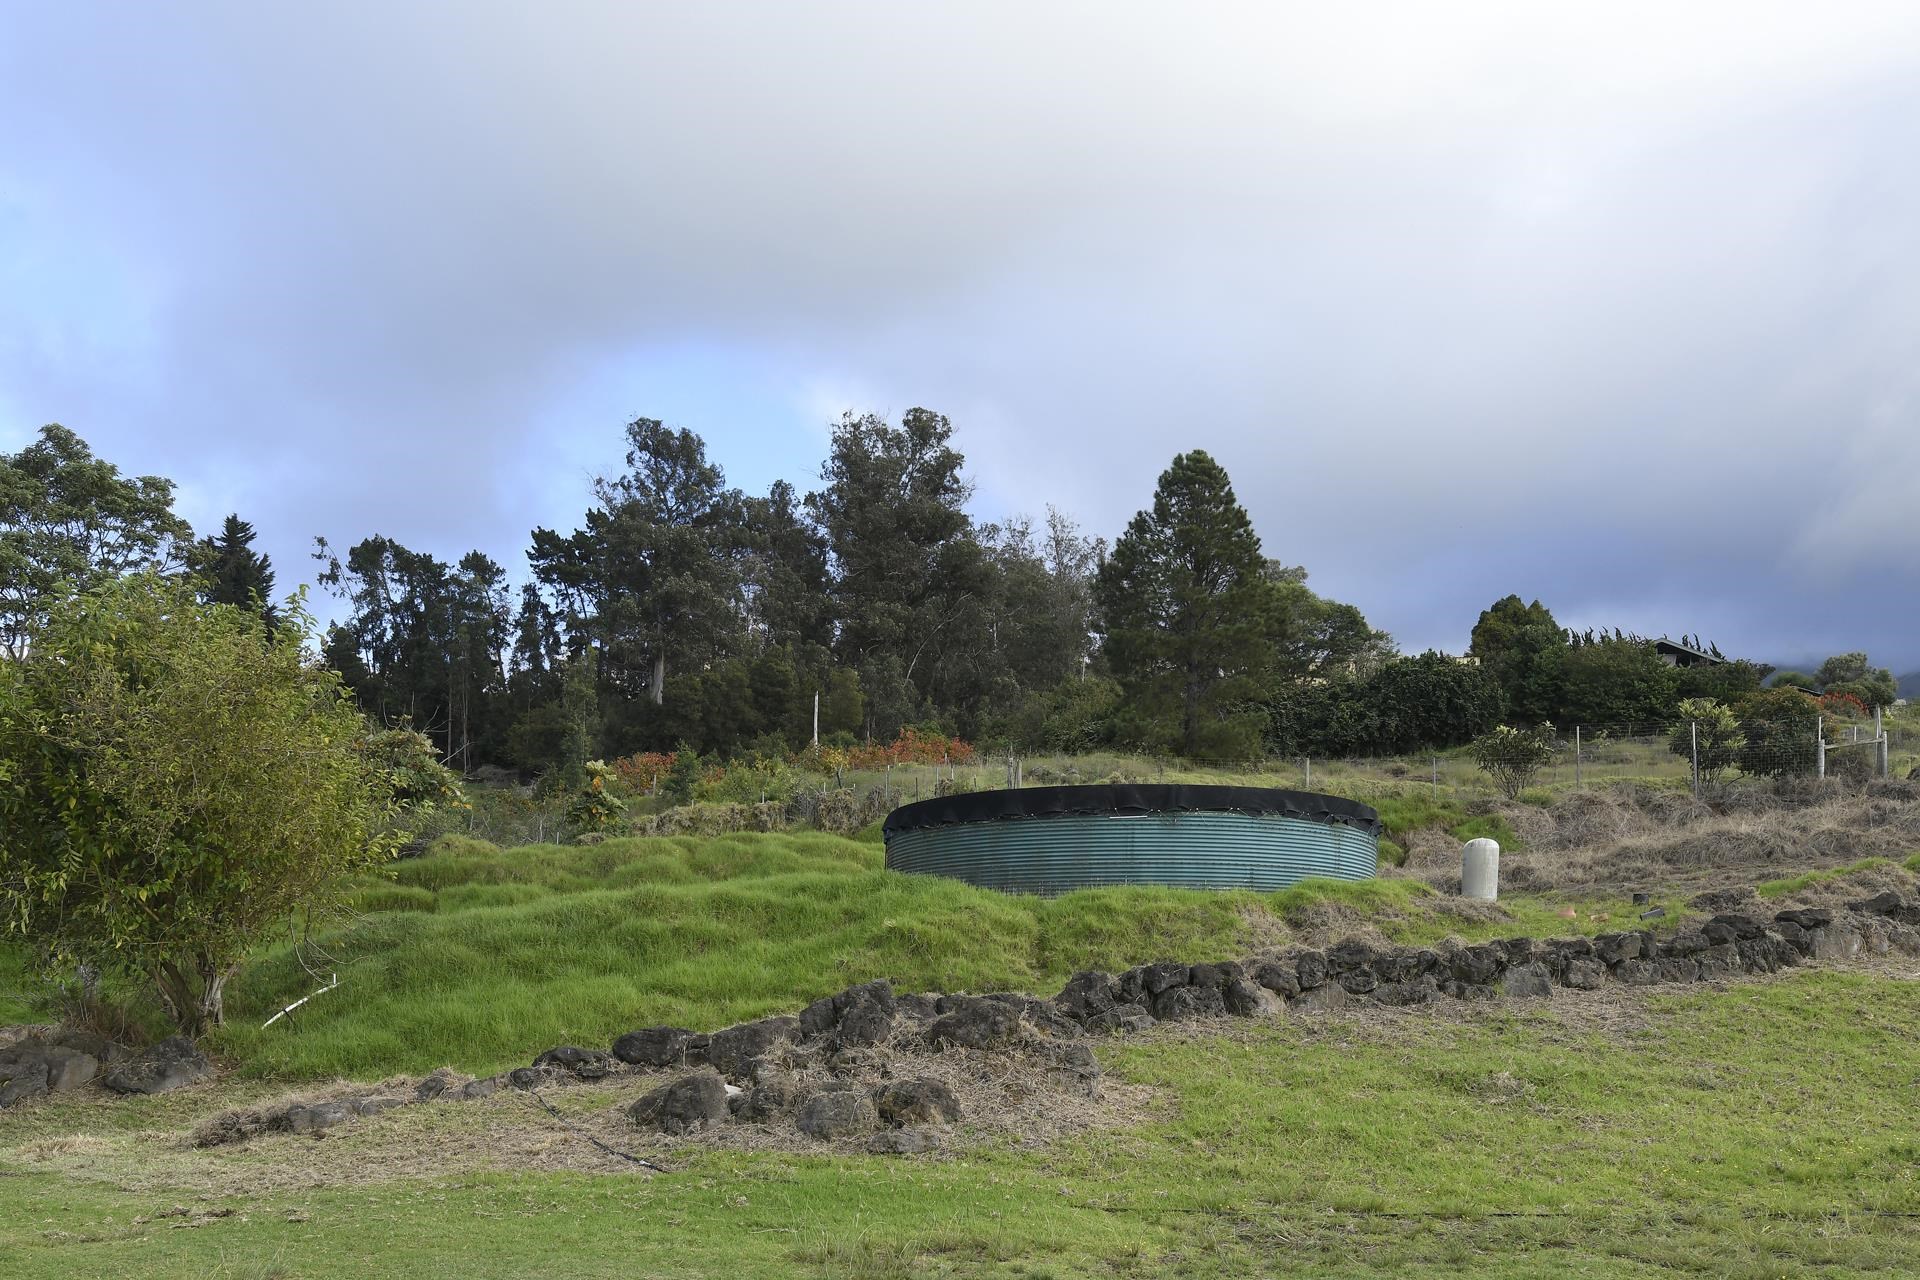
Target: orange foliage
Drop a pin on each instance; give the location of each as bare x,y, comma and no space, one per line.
1843,704
643,770
913,746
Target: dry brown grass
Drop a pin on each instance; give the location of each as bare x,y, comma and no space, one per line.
1629,835
1007,1099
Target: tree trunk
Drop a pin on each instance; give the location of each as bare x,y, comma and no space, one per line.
196,1000
659,690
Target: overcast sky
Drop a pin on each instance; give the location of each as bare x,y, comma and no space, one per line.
1620,309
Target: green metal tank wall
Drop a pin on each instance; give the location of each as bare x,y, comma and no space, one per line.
1190,849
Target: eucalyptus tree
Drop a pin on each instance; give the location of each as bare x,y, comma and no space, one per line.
69,517
653,577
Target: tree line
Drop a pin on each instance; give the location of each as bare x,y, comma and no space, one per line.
680,610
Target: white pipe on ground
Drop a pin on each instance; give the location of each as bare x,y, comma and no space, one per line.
1480,869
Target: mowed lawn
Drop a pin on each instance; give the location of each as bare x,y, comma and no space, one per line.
1768,1129
1765,1129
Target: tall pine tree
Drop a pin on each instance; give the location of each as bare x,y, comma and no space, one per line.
232,572
1190,616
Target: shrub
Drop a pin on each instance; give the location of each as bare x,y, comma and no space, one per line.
686,773
641,773
176,781
1511,757
595,808
1848,706
1712,730
1780,727
750,782
420,783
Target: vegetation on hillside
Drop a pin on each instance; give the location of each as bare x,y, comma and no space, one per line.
1744,1133
175,783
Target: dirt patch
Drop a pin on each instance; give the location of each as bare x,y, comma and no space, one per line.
1007,1099
1430,848
1855,885
1261,930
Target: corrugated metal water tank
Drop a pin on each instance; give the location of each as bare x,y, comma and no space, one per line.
1052,840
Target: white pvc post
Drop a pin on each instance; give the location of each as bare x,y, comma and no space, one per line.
1480,869
1693,730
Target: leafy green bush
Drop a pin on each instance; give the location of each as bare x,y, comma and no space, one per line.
1781,727
764,779
1710,729
596,808
175,782
421,784
682,776
1511,757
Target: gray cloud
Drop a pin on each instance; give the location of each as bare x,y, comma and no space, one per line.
1620,310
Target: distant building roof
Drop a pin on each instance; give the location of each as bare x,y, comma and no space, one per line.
1684,655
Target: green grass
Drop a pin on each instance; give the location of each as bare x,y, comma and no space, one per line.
1412,809
483,957
1794,884
1761,1131
16,985
1371,898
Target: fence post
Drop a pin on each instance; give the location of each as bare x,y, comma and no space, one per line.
1819,747
1884,765
1576,755
1308,761
1693,731
1436,778
886,788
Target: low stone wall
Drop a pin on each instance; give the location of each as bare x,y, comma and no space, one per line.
56,1061
861,1064
756,1072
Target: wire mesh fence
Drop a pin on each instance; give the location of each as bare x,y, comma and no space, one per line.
1689,754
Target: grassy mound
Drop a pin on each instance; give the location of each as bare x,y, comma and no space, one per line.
480,956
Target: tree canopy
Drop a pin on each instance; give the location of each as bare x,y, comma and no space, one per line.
231,571
67,516
175,781
1189,615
